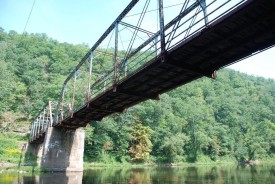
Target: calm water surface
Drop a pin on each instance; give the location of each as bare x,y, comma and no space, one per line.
188,175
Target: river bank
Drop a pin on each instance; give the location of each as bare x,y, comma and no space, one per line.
148,174
23,168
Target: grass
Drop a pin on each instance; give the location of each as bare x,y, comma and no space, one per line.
11,148
88,165
224,161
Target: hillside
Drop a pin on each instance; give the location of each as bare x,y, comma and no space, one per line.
232,117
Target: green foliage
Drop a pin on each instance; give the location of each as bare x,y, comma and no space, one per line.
174,146
7,84
205,120
141,145
88,141
32,69
10,147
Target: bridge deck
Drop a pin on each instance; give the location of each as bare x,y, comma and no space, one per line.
245,30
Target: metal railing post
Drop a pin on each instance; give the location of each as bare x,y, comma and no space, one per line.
59,104
104,87
51,114
43,120
31,133
156,44
203,7
161,26
90,77
71,109
39,125
36,128
115,53
125,68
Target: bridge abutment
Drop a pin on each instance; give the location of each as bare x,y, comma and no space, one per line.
62,150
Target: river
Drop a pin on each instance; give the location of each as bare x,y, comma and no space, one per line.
150,175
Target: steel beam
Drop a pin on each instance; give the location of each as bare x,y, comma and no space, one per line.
105,110
203,7
90,77
167,26
51,114
136,28
61,99
161,26
115,54
189,68
138,95
105,34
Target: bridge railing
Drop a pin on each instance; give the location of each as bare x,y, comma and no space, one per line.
42,121
132,41
193,20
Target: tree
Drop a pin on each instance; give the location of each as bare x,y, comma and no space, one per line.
140,146
7,84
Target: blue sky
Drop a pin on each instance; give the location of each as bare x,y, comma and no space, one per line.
84,21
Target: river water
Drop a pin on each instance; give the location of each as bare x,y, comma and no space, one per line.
151,175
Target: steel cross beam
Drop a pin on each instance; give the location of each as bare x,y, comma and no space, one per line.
105,34
134,94
167,26
136,28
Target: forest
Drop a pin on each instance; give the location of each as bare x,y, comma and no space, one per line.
229,118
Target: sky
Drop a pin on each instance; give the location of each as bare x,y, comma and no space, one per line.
84,21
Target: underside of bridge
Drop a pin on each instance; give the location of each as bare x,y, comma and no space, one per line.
247,29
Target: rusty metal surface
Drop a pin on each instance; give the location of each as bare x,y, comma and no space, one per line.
157,66
247,29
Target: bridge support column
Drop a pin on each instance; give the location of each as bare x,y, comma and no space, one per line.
63,150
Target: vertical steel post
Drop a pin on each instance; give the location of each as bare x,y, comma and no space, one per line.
49,120
62,100
72,106
203,7
43,125
31,133
161,26
125,68
36,128
156,44
39,125
51,114
90,76
104,87
60,103
115,53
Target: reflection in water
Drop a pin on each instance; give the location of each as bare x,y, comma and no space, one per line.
61,177
192,175
151,175
47,177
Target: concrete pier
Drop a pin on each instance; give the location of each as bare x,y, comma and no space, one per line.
62,150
